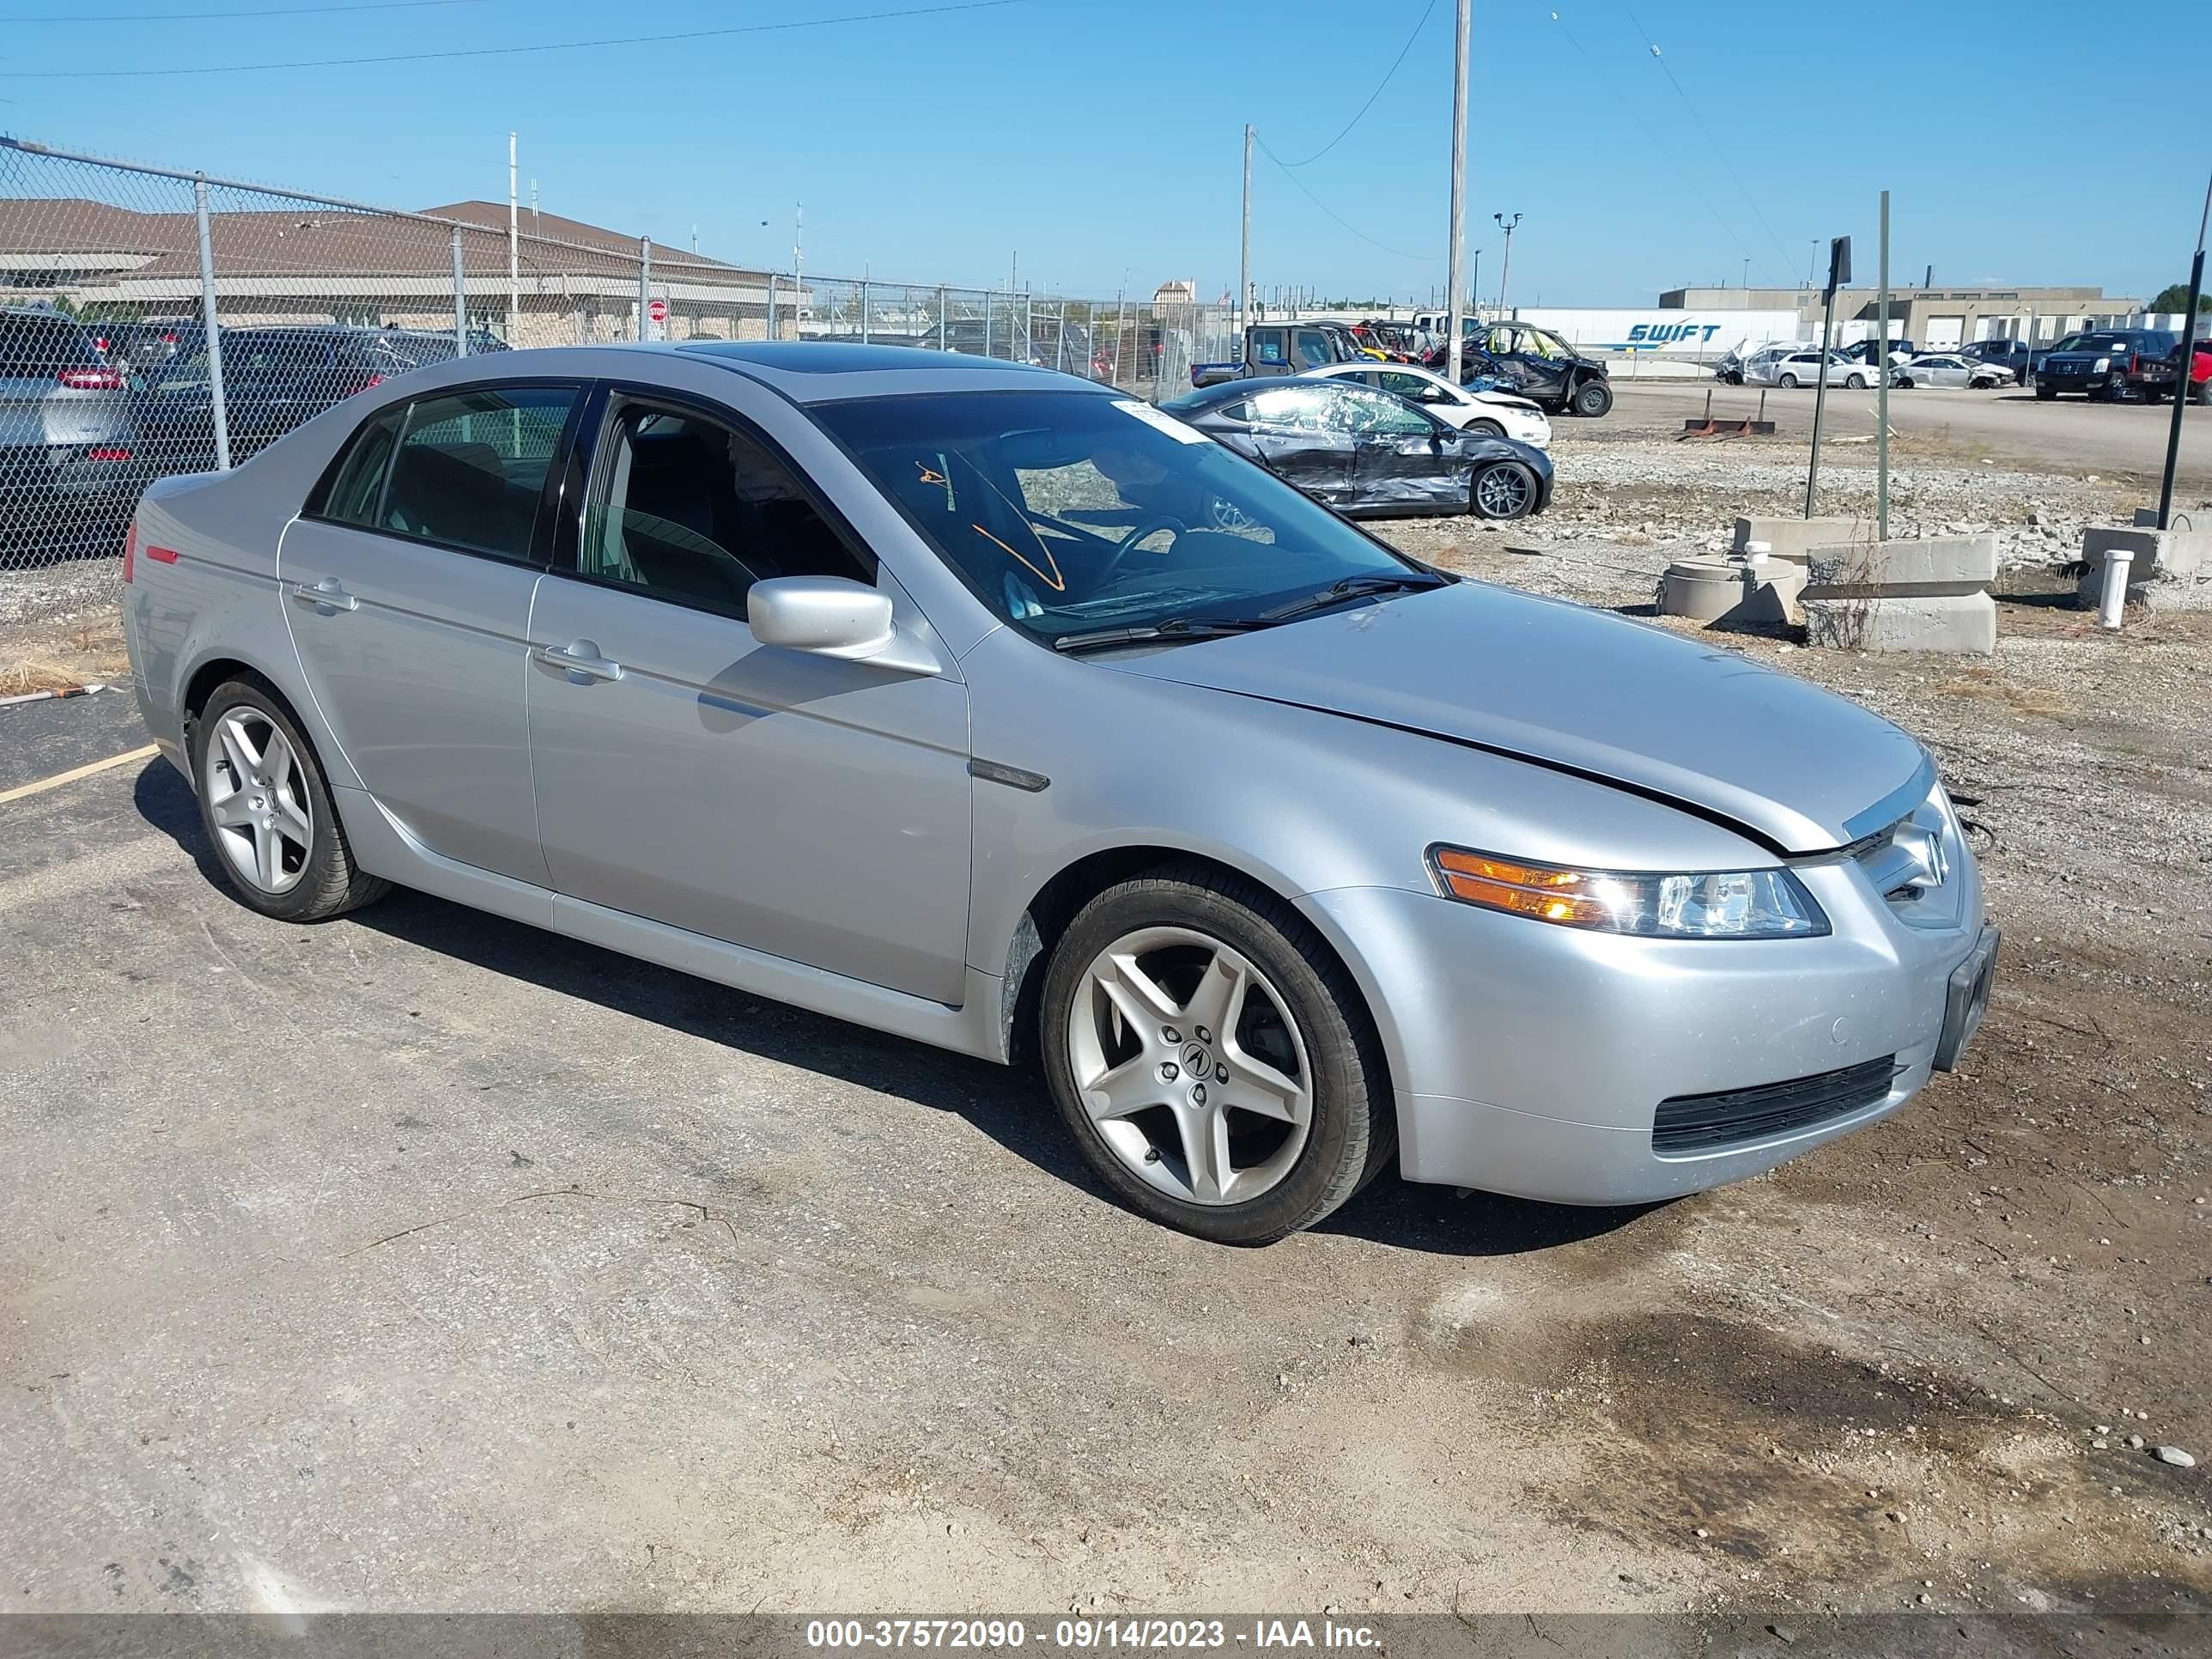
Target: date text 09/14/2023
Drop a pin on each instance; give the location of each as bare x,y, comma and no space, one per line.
1086,1635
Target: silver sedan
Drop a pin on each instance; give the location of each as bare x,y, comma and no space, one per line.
995,709
1945,369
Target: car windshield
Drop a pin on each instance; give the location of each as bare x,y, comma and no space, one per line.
1068,512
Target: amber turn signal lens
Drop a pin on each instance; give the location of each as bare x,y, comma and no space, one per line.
1526,890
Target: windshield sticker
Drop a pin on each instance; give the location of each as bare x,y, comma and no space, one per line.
1159,422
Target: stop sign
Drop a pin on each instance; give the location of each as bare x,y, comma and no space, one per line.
657,310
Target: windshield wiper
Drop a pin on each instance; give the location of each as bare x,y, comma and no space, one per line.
1352,587
1174,627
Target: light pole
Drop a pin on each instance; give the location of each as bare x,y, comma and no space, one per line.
1506,275
1456,250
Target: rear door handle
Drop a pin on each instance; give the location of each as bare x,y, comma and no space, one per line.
580,656
324,595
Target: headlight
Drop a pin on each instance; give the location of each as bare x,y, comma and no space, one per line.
2103,365
1724,904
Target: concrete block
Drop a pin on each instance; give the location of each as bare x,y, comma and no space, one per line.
1963,625
1791,539
2146,518
1954,564
2167,569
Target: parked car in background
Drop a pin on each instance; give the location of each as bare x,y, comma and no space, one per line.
1369,453
2106,364
1749,363
2158,378
69,469
143,347
1542,368
1289,860
1863,351
1942,368
273,379
1498,413
2014,355
1802,367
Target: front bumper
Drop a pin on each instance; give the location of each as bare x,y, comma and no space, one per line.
1532,1059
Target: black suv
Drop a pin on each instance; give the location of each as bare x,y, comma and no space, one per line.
1540,366
2106,364
273,379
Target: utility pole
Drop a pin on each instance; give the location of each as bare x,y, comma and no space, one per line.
2181,373
1455,255
1243,317
513,253
1881,383
798,268
1505,275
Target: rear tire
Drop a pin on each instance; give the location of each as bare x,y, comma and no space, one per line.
1132,986
267,809
1593,399
1504,489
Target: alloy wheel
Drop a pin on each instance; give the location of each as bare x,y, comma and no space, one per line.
1502,493
1190,1065
257,800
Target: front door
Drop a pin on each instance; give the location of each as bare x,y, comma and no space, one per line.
408,595
1399,455
813,809
1295,436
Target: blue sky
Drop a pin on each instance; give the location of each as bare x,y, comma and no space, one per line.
1100,137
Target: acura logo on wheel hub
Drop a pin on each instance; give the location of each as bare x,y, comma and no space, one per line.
1195,1060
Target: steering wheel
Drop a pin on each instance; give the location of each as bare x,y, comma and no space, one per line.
1128,545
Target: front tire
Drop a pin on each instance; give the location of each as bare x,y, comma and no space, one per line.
1487,428
1504,489
267,809
1592,399
2044,393
1855,382
1787,383
1212,1058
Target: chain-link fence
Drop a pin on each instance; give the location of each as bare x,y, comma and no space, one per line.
154,321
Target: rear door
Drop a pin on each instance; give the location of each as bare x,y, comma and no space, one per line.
408,586
1297,437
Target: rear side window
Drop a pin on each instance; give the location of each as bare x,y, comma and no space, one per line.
40,346
359,486
470,467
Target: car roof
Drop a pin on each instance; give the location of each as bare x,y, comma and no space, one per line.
815,372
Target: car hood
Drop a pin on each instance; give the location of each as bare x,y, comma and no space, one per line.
1585,692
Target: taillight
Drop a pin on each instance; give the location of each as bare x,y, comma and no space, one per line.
372,380
107,455
131,552
92,380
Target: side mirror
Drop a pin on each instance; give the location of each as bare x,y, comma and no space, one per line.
828,615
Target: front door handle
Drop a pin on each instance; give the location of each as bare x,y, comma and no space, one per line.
325,594
580,656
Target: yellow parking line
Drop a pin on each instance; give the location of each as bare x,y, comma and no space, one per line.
74,773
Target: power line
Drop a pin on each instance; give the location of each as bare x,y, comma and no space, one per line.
1788,262
508,51
1373,95
1428,258
1681,171
273,11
